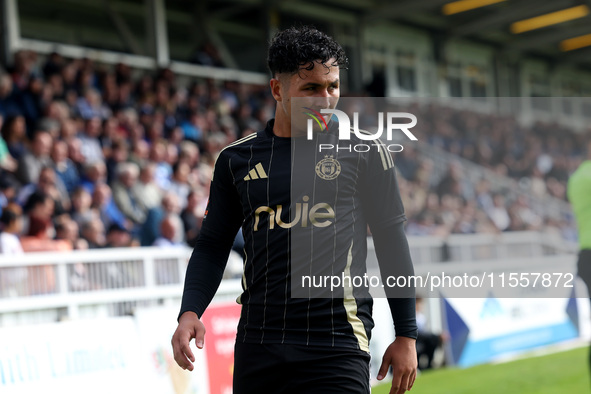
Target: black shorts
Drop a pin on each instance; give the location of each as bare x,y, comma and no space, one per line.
286,369
584,267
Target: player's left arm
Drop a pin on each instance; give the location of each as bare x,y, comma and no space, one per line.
394,259
385,215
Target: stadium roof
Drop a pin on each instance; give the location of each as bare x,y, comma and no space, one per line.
536,27
239,27
494,22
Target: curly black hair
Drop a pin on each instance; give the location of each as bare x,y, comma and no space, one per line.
298,48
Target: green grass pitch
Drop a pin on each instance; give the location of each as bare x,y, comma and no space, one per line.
558,373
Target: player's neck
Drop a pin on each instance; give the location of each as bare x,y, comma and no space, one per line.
282,125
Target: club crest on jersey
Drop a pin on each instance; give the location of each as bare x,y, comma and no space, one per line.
328,168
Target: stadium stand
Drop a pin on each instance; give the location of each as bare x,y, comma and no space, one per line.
108,107
90,129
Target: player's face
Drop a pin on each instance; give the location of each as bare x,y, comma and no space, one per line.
321,82
318,89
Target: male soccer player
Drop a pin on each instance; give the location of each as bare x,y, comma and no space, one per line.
287,344
579,195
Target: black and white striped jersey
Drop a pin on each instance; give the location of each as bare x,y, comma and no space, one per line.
304,209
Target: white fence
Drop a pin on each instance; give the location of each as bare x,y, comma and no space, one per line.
45,287
472,247
41,287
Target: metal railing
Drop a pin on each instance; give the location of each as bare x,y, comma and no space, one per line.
143,62
474,247
39,287
42,287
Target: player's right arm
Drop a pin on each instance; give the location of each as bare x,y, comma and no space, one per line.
222,220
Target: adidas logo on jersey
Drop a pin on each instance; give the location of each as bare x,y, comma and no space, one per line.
258,172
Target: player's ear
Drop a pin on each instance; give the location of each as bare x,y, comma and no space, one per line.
276,88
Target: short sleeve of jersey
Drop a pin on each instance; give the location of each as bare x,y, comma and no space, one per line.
380,194
223,215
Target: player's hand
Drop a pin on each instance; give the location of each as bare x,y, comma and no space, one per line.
402,356
189,327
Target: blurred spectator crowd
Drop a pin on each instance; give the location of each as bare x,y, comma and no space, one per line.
538,158
95,156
